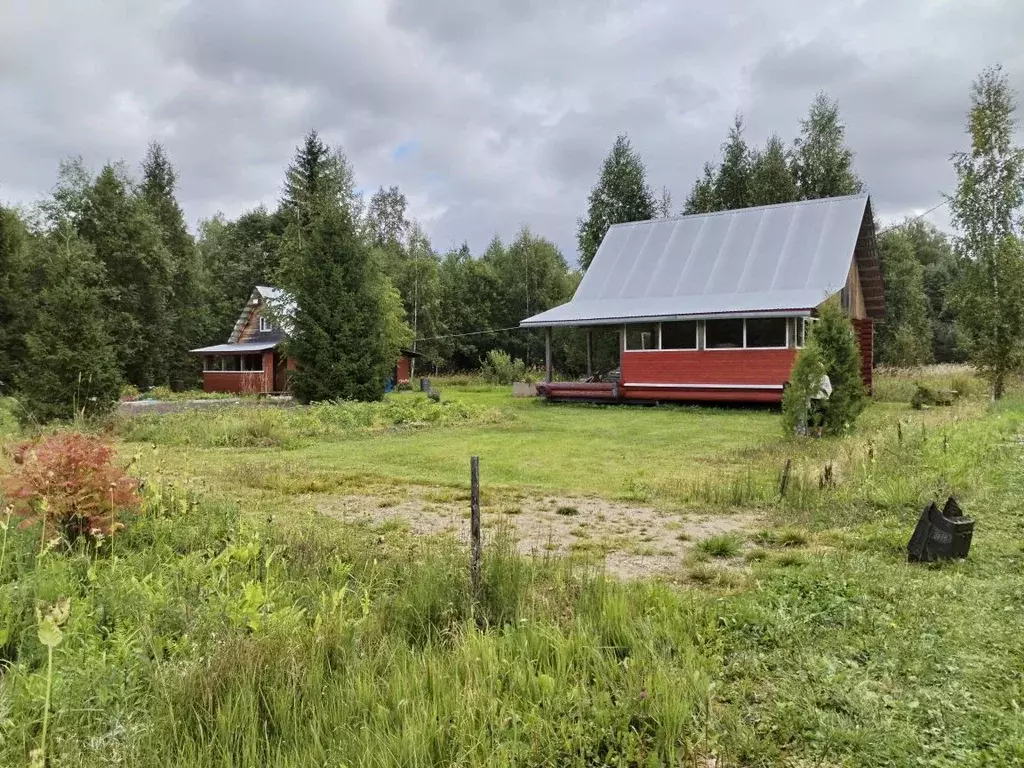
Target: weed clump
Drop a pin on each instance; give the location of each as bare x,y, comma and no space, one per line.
722,545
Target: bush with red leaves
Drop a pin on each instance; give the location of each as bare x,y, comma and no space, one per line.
70,482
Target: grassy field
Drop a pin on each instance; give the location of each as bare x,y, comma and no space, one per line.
236,625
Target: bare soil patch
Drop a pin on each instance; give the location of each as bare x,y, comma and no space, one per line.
634,541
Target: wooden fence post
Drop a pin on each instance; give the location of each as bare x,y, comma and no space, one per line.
784,481
474,523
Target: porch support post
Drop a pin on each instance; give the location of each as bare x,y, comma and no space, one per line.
547,354
590,352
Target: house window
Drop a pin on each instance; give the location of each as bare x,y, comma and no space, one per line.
641,337
679,335
252,363
265,325
766,331
803,328
723,334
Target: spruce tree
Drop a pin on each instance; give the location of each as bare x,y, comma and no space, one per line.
822,163
13,296
620,195
732,182
347,325
188,314
128,243
70,368
986,211
771,178
905,335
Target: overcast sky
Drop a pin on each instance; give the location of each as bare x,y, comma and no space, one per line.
489,114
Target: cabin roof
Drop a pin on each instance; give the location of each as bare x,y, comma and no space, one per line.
774,259
238,348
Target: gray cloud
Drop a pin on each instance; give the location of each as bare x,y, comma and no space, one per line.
508,106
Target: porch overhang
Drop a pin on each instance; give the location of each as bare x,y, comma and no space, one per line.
550,320
242,348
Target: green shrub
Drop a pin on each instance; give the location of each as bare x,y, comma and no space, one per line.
831,349
501,368
835,338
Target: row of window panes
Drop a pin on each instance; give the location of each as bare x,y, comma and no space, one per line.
233,363
760,332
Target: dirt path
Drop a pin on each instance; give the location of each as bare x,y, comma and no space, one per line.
635,541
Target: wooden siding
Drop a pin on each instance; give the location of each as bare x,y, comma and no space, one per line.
403,372
745,367
865,330
855,293
243,382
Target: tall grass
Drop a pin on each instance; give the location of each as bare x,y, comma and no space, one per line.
265,426
897,385
212,640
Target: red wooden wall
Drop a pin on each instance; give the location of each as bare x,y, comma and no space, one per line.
403,374
865,330
242,382
745,367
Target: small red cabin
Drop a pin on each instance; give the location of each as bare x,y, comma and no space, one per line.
251,362
713,307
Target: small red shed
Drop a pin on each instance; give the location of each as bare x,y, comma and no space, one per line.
713,307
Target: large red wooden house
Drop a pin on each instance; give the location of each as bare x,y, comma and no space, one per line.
713,307
252,361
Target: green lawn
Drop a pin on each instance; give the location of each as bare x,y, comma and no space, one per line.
669,455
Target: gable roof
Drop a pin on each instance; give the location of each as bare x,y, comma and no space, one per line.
264,295
771,259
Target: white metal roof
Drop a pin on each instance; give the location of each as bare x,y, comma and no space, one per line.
238,349
776,259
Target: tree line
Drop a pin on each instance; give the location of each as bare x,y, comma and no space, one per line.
102,284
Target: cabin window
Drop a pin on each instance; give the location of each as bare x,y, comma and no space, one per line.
211,363
265,325
723,334
803,328
641,337
679,335
766,331
230,362
252,363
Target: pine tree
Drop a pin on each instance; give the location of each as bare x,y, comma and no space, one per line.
620,195
188,314
986,210
905,336
347,326
732,182
128,243
771,178
834,337
70,368
822,163
703,197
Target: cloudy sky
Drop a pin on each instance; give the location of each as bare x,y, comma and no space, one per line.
489,114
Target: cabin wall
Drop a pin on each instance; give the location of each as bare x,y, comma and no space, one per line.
855,292
757,374
243,382
865,330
